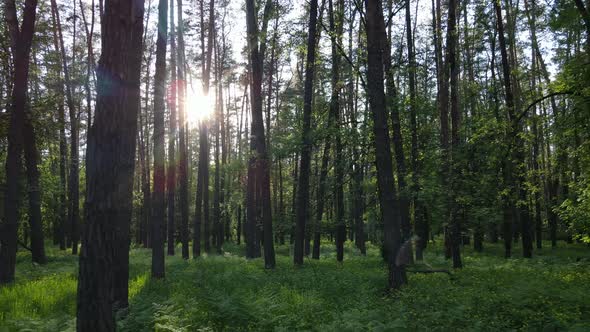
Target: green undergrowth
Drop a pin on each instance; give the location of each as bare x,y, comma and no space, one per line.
229,293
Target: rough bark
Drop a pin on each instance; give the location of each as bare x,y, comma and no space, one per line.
388,200
104,261
62,140
173,122
20,42
182,146
158,196
336,26
261,159
455,209
302,212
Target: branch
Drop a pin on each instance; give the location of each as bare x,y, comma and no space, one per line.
553,94
343,53
24,246
359,8
394,12
431,271
12,23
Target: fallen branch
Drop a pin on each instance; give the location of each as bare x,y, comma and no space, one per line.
430,271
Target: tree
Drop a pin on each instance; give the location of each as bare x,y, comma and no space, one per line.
63,153
336,26
74,177
182,133
104,266
159,205
20,46
259,165
302,212
171,180
388,200
202,194
454,171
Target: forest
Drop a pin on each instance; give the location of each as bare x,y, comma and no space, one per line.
295,165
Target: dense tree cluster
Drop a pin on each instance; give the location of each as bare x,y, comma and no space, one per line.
393,122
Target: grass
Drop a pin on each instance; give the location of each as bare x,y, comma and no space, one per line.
228,292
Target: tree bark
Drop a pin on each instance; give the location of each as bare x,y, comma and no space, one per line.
74,178
20,44
261,160
62,140
389,202
173,122
158,196
182,147
455,209
302,213
336,26
34,191
104,261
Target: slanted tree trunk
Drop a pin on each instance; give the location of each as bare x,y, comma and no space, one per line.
388,200
302,213
158,202
20,44
104,261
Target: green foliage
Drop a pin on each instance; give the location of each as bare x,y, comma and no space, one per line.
231,293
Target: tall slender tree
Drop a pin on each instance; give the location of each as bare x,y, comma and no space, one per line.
158,202
63,153
172,123
182,132
302,213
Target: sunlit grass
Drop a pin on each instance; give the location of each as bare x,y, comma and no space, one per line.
231,293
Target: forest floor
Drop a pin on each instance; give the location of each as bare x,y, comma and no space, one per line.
227,292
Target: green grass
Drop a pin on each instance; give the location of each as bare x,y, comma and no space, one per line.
228,292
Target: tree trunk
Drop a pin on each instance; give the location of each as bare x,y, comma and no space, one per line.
104,261
515,153
74,180
455,171
217,174
261,161
336,26
388,200
171,180
414,140
182,147
158,200
34,191
302,213
20,41
63,153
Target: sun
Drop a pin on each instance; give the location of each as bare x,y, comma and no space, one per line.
198,106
